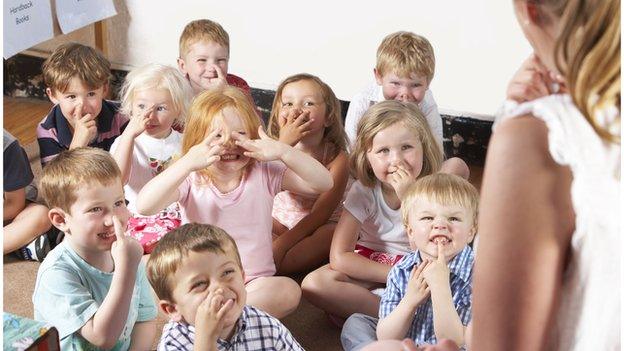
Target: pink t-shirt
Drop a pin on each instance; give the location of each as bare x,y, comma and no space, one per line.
244,213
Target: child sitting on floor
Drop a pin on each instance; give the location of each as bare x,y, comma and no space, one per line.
155,97
92,287
76,79
429,292
197,273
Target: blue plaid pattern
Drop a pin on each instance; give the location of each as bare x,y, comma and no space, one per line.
255,330
421,330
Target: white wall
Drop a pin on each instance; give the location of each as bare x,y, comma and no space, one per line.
478,44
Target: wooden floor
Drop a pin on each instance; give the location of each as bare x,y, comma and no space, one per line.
21,116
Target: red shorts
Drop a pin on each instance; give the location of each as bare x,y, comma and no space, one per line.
149,230
377,256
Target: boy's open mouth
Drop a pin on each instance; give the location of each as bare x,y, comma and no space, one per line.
440,239
105,235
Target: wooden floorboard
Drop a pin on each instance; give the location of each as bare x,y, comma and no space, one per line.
21,116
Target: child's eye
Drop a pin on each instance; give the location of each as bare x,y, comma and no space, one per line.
383,151
222,60
161,108
426,218
141,106
308,103
200,286
91,94
218,135
287,104
228,272
95,209
406,147
242,132
71,97
416,85
454,219
120,203
201,60
395,83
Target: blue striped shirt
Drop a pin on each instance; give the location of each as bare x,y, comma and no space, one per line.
421,331
255,330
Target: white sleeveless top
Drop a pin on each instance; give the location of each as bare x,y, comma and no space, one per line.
589,314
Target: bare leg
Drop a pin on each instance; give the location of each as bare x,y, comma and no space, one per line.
277,296
456,166
25,227
278,229
338,294
309,253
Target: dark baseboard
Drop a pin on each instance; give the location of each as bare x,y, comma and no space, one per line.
464,137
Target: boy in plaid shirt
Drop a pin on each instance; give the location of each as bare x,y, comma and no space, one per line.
429,292
197,274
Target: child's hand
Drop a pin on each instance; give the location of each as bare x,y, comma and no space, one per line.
294,126
263,149
210,313
417,289
220,80
400,180
137,124
85,128
126,250
437,272
205,153
533,80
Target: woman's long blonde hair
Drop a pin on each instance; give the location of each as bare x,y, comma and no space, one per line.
587,54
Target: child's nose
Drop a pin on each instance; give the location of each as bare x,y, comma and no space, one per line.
440,224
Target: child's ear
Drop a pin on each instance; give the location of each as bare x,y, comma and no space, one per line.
58,219
378,76
105,89
170,310
51,96
182,65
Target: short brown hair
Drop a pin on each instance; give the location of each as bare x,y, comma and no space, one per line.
73,169
175,246
202,30
444,189
334,133
404,54
381,116
71,60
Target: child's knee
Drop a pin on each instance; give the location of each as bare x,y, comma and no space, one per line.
314,283
456,166
290,293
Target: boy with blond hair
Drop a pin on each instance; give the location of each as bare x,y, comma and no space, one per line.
76,78
198,276
204,57
404,70
92,287
428,295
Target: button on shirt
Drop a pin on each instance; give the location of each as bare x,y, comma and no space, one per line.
255,330
421,330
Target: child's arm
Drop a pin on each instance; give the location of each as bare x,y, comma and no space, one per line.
321,211
85,128
446,321
161,191
209,320
122,153
14,203
143,335
105,327
396,325
305,175
343,258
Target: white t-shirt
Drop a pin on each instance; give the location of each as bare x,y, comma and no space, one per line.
588,315
382,227
149,157
374,94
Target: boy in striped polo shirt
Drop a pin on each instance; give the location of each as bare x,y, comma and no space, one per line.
429,292
76,78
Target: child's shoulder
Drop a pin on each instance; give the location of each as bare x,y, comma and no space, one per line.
237,81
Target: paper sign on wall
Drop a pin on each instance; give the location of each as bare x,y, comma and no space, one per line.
74,14
26,23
